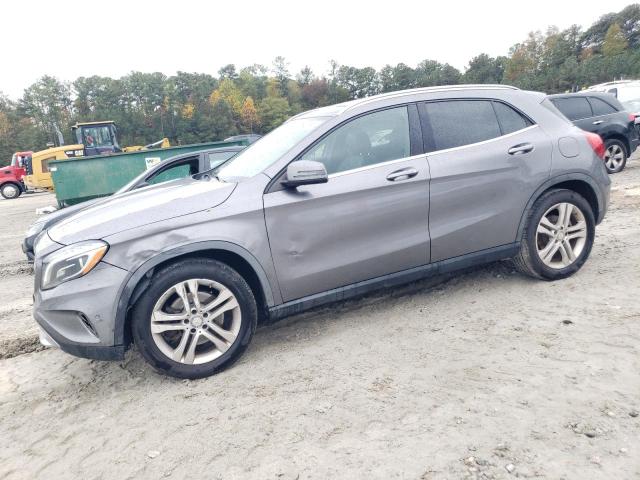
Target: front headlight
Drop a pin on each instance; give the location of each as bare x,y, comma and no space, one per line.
71,262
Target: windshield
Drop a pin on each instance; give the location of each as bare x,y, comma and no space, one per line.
629,96
269,148
97,136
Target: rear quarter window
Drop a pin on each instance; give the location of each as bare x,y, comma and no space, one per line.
510,120
600,107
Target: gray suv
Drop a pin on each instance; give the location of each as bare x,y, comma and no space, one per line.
334,203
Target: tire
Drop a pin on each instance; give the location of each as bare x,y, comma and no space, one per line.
162,304
10,191
537,257
615,155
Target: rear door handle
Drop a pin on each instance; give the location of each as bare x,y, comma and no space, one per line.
520,149
598,122
402,174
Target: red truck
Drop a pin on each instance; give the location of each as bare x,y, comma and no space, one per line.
11,184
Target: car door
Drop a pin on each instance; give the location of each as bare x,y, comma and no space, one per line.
483,172
368,220
606,118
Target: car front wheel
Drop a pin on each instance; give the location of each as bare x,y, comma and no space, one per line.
195,318
558,236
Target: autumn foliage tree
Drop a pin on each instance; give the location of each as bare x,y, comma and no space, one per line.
193,107
249,115
614,42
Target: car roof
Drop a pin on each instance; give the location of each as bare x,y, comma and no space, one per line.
582,93
604,96
617,83
339,108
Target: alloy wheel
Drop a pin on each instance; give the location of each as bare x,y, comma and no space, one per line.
614,156
195,321
561,235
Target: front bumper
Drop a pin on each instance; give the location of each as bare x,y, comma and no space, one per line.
27,248
79,316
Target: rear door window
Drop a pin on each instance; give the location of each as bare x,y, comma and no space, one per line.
600,107
574,108
455,123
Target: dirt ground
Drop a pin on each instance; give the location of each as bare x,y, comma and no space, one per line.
486,374
18,333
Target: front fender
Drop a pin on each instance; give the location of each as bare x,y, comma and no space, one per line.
128,291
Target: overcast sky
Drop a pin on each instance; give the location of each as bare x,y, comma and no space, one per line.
113,37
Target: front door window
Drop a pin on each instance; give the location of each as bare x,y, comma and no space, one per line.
368,140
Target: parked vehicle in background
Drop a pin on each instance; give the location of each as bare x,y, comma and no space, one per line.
12,176
626,91
249,137
334,203
78,180
603,114
92,138
170,169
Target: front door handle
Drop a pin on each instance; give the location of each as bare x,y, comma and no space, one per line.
520,149
598,122
402,174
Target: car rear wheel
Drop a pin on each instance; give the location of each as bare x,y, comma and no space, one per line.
195,318
10,190
558,236
615,156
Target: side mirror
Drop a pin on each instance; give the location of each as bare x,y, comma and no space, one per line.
305,172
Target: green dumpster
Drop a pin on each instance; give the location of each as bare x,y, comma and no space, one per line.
79,179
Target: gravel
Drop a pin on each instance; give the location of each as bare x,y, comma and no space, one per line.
485,374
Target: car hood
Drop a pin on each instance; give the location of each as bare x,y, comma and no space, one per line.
56,216
140,207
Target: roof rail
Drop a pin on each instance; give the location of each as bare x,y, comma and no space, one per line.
440,88
615,82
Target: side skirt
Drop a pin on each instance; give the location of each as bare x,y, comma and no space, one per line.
393,279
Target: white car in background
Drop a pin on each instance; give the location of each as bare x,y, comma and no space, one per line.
626,91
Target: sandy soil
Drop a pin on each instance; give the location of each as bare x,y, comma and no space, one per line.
15,218
486,374
18,333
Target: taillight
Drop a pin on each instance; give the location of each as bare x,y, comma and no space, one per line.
632,117
596,143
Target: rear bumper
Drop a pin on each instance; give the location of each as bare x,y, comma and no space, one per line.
79,316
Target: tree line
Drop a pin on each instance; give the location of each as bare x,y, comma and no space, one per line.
197,107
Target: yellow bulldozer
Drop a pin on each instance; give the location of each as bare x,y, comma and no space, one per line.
92,138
